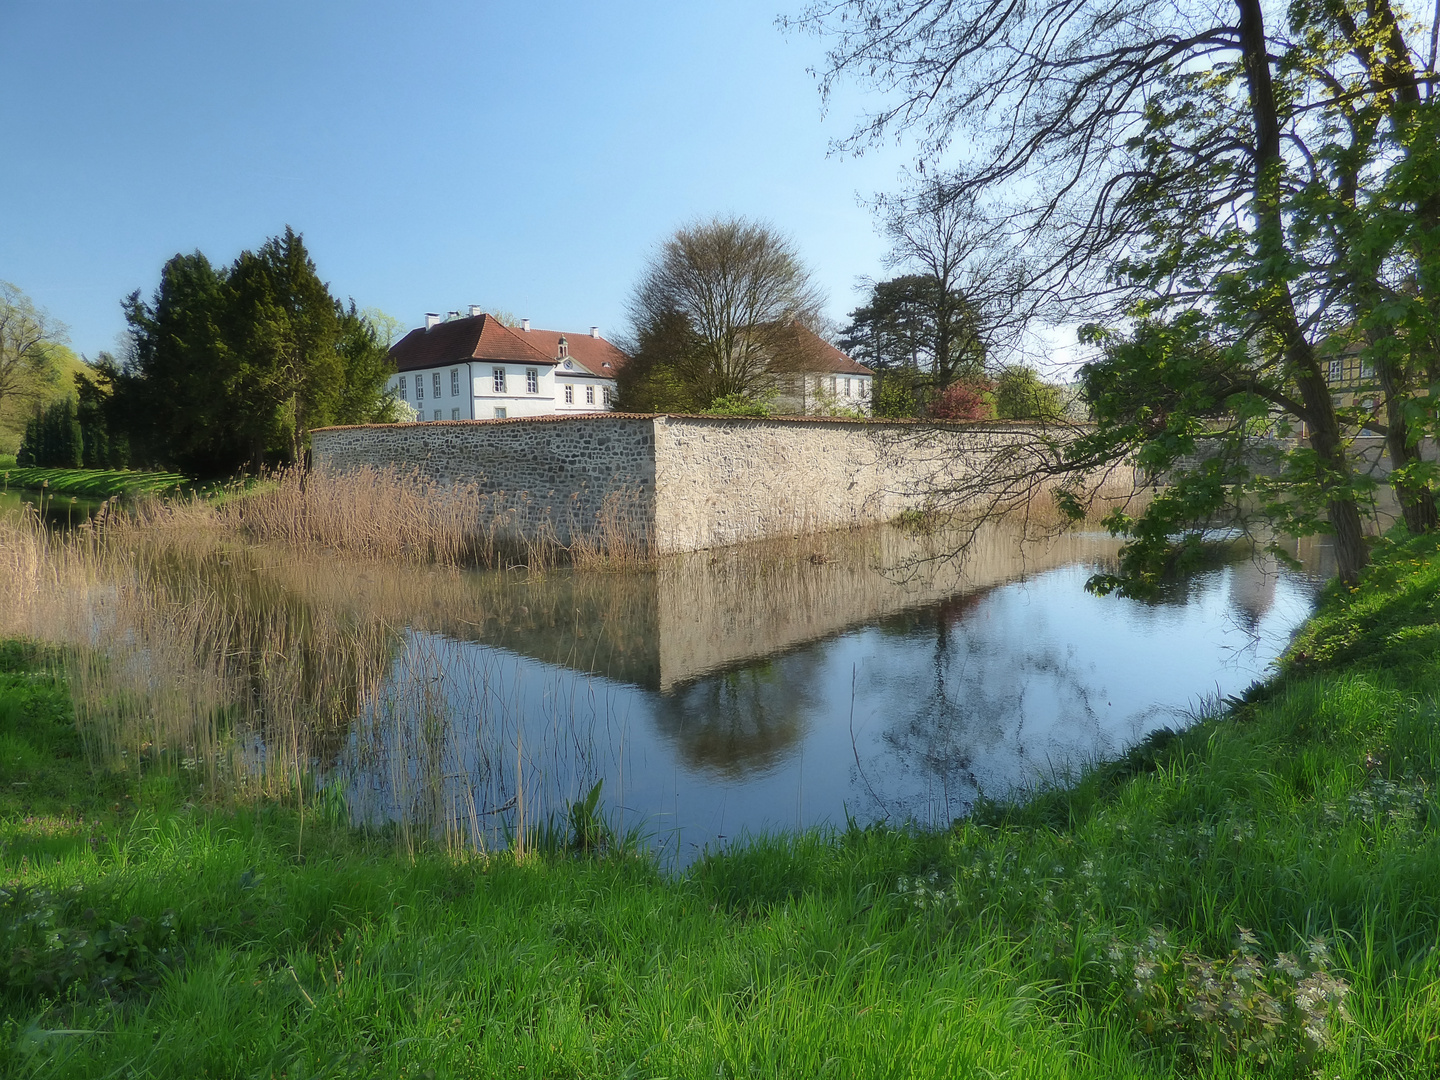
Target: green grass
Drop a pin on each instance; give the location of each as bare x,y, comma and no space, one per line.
101,483
1069,935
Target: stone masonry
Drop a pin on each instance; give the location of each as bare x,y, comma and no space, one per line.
683,482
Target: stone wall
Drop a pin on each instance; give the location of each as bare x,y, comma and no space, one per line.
555,472
683,482
725,481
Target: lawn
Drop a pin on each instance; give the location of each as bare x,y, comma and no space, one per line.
1256,896
100,483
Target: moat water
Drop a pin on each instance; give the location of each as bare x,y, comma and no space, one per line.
61,511
855,676
868,675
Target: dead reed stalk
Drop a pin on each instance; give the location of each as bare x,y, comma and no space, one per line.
619,540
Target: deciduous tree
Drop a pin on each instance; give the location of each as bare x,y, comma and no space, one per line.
712,311
1020,394
29,342
1224,189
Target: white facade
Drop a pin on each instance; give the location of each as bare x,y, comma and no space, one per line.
495,390
826,394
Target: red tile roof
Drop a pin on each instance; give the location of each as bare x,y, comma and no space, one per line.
476,337
811,353
594,355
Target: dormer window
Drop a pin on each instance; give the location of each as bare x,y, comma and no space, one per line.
564,346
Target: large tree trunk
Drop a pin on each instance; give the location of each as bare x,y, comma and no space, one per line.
1392,76
1417,501
1278,310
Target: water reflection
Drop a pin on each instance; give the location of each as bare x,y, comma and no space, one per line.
753,689
740,723
61,511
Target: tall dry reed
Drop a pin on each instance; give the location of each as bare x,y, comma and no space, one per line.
256,668
381,513
180,654
618,539
403,515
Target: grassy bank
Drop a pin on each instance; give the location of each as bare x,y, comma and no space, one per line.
98,483
1257,896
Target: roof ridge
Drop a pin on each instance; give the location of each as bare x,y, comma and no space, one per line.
501,326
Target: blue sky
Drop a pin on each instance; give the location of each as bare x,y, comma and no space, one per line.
522,156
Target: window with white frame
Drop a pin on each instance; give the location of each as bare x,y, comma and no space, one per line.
589,395
1367,370
437,415
435,385
454,382
569,394
847,387
454,414
832,384
606,395
419,387
532,381
1337,370
499,412
404,390
498,379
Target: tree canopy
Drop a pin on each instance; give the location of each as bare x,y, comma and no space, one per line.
915,327
231,367
1231,194
711,316
35,364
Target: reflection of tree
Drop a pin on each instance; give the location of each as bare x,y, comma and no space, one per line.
743,721
947,611
1252,590
973,709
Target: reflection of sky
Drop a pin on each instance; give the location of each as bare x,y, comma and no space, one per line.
906,719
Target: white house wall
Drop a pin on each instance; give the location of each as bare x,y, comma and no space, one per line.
478,399
812,395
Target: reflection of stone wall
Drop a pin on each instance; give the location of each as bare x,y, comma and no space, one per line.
719,609
687,482
706,612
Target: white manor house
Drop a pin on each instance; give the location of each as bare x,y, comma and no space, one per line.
476,368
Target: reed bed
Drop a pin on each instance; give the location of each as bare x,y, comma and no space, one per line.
617,540
180,655
380,513
260,671
406,516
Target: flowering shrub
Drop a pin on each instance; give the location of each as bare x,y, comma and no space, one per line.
966,400
1236,1006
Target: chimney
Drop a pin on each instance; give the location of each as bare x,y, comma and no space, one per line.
475,310
451,315
525,325
432,320
594,331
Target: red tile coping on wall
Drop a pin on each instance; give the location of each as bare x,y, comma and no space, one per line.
570,418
